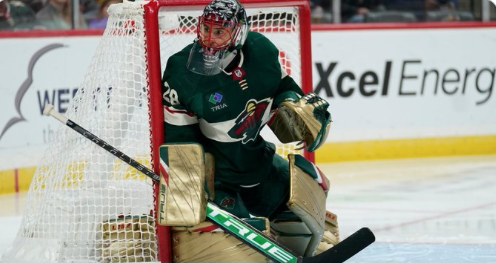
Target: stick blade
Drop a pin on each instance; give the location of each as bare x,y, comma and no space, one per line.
345,249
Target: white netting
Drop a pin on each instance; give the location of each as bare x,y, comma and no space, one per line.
79,186
79,189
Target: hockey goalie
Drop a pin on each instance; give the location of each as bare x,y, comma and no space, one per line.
218,93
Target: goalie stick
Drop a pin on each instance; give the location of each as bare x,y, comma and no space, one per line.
232,224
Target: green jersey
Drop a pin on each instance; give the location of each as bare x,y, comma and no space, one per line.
226,112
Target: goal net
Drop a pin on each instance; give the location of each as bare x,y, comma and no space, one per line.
85,205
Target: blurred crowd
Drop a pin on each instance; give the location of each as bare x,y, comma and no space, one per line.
16,15
374,11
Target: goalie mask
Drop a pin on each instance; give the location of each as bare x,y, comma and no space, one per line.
221,31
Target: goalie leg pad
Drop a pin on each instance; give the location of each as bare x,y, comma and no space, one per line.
290,231
294,233
331,233
183,201
307,200
206,243
313,171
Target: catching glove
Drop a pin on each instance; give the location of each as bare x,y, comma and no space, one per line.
304,120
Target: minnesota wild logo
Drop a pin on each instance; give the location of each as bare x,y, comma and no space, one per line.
228,203
248,124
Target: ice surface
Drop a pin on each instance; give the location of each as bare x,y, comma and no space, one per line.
436,210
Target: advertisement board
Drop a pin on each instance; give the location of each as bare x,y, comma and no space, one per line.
400,84
35,72
382,84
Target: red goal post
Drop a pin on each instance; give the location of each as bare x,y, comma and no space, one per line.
154,65
153,32
153,43
84,205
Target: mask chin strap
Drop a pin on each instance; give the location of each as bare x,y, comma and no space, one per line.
241,59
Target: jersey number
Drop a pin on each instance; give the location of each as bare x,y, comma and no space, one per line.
170,95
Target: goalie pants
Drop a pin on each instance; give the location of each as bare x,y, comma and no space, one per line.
264,199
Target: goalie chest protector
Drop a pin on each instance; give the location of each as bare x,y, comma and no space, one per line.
231,110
